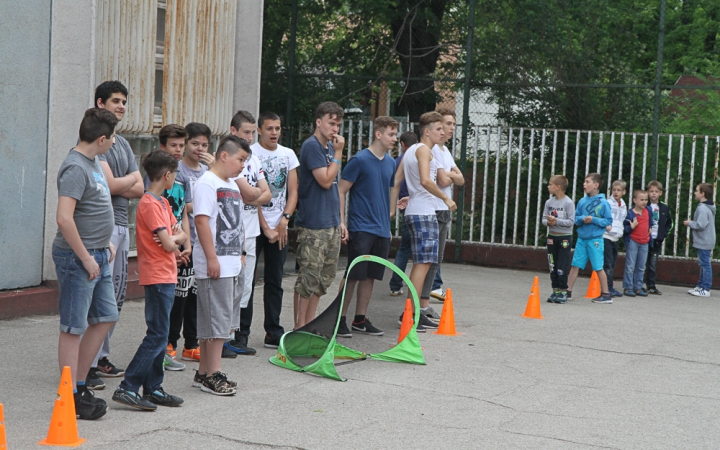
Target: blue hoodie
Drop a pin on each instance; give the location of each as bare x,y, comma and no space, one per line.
599,209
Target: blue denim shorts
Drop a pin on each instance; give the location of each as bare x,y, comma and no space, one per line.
82,301
589,249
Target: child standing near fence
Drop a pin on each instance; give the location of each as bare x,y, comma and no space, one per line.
638,239
703,234
613,233
558,216
663,226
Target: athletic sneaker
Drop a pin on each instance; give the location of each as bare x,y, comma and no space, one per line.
654,291
366,327
343,330
227,353
560,297
93,380
162,398
171,364
568,294
427,323
641,293
629,293
420,328
271,342
170,350
198,379
87,407
217,384
191,354
108,370
700,292
132,399
603,299
552,297
438,294
615,293
397,293
432,314
239,345
690,291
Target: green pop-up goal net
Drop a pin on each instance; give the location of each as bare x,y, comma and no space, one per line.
313,348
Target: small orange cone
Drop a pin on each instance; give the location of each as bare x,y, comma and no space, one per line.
447,317
594,287
532,310
3,438
63,429
407,321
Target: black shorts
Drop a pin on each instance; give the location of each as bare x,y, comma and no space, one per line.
362,243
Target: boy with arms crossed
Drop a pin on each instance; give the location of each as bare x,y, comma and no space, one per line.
155,224
613,233
82,252
318,219
703,234
255,192
559,216
125,183
592,216
217,207
420,170
279,166
368,176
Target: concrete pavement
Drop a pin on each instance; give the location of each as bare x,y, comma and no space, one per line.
640,373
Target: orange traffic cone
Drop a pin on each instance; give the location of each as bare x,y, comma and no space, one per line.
3,439
532,310
447,317
594,290
63,429
407,321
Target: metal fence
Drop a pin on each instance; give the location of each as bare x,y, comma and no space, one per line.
508,170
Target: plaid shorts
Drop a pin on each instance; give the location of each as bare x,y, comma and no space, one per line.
424,238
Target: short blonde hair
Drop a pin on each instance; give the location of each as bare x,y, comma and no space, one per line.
560,181
620,183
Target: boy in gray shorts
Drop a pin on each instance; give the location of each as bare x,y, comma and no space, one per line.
218,253
82,253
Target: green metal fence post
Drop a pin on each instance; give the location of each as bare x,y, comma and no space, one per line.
658,82
465,121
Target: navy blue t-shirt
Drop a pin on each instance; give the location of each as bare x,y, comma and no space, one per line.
318,208
372,178
403,185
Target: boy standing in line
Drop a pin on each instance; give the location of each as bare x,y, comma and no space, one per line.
255,192
82,253
703,233
368,176
592,216
155,224
125,183
613,233
663,226
318,219
217,207
559,216
407,139
183,316
279,166
420,170
638,238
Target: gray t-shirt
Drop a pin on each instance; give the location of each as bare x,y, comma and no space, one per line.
564,211
190,176
122,162
83,179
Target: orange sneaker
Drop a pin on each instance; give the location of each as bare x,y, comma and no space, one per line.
192,354
170,351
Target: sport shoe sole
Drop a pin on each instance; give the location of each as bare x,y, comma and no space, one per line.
396,293
364,331
235,347
132,400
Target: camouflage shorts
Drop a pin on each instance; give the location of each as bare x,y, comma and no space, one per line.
317,256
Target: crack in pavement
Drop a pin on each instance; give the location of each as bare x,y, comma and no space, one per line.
558,439
204,433
620,353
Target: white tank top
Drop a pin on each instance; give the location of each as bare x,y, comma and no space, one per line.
422,202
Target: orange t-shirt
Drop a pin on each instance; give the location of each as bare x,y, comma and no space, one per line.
156,266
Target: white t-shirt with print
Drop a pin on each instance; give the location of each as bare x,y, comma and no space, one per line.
221,201
276,164
252,173
656,217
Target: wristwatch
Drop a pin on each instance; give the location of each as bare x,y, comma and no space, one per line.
287,216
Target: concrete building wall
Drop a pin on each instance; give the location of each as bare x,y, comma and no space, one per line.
248,54
25,56
72,83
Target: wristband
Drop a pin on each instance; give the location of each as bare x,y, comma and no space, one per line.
244,253
336,161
